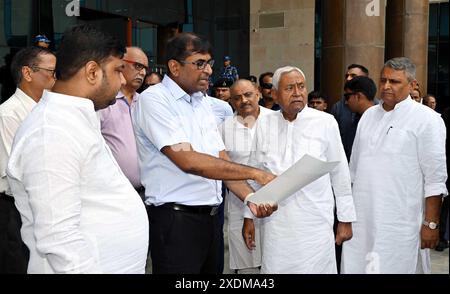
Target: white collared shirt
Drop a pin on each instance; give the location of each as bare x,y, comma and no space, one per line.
166,115
12,113
80,214
221,109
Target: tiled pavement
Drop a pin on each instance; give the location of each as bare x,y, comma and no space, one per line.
439,260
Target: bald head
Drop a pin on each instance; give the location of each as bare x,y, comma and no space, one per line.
241,82
244,98
136,64
134,51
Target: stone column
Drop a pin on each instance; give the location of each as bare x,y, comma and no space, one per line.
353,32
282,33
407,34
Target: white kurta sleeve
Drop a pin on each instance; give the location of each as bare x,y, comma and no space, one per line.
50,167
8,128
431,152
340,176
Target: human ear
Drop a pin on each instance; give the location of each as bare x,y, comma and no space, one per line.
26,73
92,72
174,67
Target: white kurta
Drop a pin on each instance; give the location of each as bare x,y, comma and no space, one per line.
80,214
12,113
238,141
398,159
298,238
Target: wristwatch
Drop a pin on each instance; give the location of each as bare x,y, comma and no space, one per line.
430,225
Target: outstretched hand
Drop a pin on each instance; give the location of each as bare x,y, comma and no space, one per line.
262,210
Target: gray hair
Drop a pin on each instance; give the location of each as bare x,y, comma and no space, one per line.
281,71
402,63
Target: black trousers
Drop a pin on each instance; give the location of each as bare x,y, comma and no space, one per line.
183,242
14,254
337,248
443,219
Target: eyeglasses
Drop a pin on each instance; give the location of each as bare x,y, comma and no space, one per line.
37,68
137,66
201,64
348,95
266,86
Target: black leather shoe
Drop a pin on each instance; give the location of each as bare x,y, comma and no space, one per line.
441,246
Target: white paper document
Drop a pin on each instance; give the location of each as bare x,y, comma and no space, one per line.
305,171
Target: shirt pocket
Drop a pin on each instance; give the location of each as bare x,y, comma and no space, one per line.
310,144
399,142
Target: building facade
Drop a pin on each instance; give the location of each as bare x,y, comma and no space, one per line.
321,36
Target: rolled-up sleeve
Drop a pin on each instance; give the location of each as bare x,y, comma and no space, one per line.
431,151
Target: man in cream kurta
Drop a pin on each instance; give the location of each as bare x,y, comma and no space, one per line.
237,134
299,237
398,172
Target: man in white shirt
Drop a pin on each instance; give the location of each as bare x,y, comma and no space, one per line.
80,213
183,161
299,238
221,109
237,134
33,70
398,172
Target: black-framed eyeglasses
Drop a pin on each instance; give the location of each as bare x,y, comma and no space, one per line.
348,95
37,68
137,65
201,64
266,86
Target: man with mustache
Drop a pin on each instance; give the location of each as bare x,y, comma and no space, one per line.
299,237
117,128
398,172
237,134
183,161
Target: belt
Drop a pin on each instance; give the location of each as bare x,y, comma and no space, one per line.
198,209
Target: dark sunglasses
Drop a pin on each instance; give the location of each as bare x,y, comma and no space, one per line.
348,95
138,66
266,86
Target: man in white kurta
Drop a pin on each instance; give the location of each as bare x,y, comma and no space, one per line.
398,170
299,237
80,214
237,134
31,82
